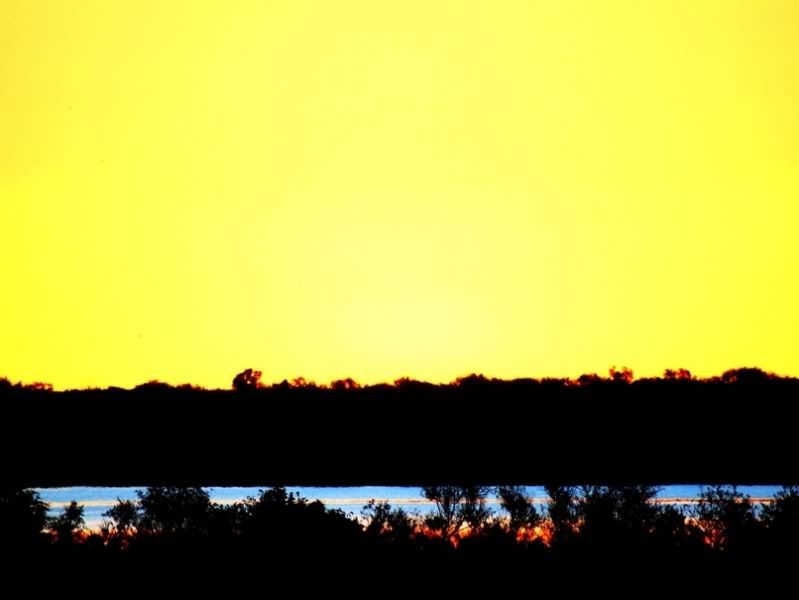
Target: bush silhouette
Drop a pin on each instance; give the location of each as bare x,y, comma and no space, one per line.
23,516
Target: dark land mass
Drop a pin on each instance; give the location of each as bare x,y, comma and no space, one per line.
739,428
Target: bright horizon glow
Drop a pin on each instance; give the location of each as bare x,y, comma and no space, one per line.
386,189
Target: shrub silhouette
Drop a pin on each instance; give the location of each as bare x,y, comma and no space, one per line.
23,516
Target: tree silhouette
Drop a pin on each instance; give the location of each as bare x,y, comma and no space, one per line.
674,534
68,524
247,380
748,375
389,524
562,512
781,518
725,516
153,386
125,515
523,515
345,384
174,510
286,522
622,375
589,379
456,507
23,516
616,516
677,375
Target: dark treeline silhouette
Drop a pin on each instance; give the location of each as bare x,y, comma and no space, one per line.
576,527
734,428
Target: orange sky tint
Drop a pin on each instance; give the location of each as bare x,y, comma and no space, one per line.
387,189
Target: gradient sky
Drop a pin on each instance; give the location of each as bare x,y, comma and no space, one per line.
385,189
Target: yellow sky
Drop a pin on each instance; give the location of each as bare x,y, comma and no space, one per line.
384,189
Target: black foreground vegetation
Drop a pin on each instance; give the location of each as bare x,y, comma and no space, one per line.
577,525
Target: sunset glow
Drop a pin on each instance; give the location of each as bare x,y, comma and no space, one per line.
386,189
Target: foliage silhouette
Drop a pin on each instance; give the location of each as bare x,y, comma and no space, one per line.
125,516
384,523
342,385
746,375
781,522
457,507
23,516
523,516
68,525
726,517
173,510
622,375
563,513
585,527
677,375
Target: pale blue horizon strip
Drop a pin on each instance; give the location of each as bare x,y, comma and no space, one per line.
97,500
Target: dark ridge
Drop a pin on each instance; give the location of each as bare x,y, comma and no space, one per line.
737,429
